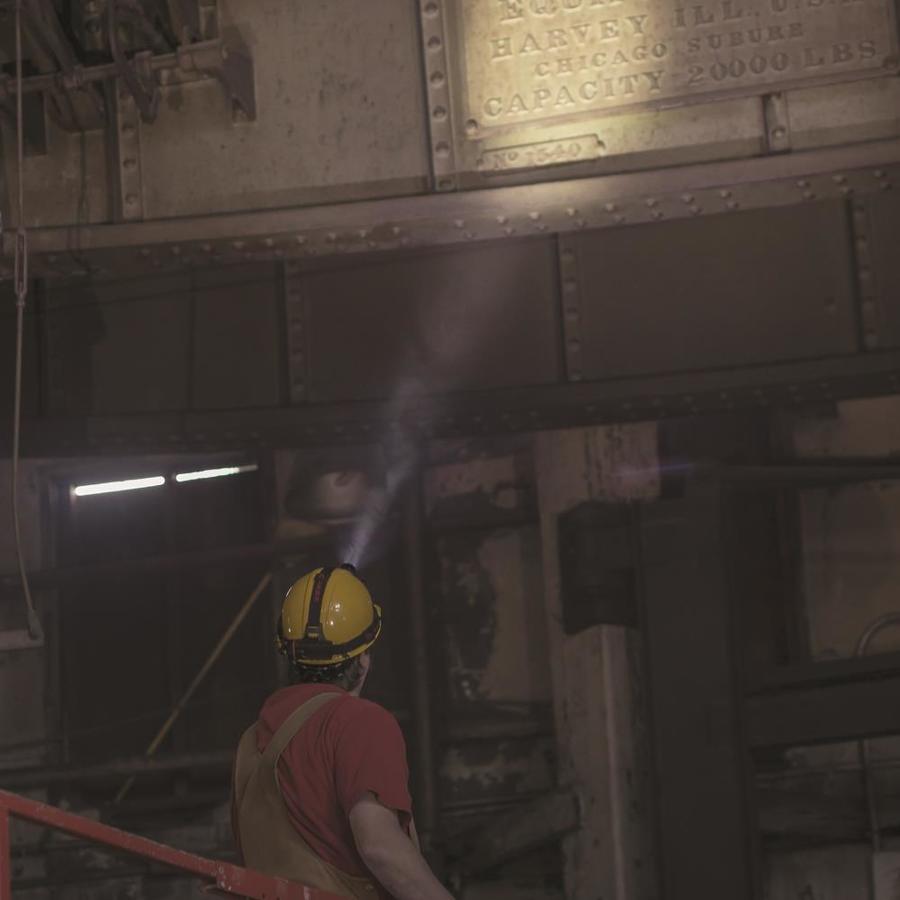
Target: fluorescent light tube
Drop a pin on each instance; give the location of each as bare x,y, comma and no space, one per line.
214,473
112,487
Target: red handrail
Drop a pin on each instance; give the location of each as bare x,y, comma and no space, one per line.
227,878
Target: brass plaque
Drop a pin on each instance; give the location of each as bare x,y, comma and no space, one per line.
580,148
523,62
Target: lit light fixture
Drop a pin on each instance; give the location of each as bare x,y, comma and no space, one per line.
112,487
215,473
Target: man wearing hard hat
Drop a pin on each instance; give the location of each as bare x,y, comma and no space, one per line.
321,792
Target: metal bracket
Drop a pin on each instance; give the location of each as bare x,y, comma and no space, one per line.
127,179
230,62
440,114
137,74
777,123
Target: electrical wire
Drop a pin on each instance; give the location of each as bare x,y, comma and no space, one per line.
21,289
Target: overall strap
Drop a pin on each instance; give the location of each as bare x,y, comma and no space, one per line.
292,724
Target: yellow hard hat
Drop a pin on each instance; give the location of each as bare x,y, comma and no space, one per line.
328,617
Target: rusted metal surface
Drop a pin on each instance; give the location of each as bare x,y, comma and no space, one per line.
540,822
497,749
489,772
490,614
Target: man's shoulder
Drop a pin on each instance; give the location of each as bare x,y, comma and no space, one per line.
358,707
364,717
279,705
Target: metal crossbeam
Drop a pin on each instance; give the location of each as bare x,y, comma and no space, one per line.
499,411
459,218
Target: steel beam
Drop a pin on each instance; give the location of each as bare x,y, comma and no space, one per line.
826,712
496,412
813,675
482,215
821,702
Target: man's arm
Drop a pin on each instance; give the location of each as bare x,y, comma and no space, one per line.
390,855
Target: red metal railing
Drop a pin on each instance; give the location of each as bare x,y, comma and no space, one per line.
221,876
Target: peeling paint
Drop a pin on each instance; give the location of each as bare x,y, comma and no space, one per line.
479,772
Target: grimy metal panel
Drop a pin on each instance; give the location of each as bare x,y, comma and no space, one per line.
119,346
339,113
704,826
750,288
479,317
237,337
884,222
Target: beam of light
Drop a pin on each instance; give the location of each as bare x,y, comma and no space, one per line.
214,473
112,487
403,457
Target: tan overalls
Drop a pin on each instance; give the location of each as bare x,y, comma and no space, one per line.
269,841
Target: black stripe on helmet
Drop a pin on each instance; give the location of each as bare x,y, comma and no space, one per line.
314,621
322,649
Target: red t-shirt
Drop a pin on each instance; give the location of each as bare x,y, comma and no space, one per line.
347,748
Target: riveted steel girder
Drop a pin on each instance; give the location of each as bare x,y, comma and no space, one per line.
484,413
458,218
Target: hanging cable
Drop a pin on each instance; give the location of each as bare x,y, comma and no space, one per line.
21,289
